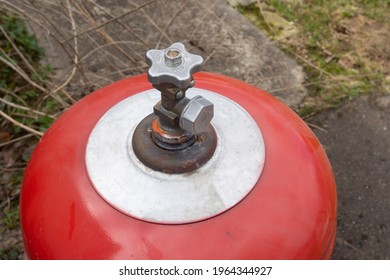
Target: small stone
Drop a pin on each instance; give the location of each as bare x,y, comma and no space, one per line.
235,3
386,84
383,102
281,26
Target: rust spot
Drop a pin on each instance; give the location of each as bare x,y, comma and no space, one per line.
173,53
200,138
182,160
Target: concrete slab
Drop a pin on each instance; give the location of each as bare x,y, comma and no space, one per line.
113,36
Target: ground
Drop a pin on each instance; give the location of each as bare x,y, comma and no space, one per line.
356,137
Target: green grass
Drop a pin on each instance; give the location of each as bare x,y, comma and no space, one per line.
20,48
320,46
11,218
26,42
375,9
11,253
11,81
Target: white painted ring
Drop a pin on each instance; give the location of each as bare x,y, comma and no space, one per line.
136,190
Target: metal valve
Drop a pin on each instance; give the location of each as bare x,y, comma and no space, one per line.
178,124
173,65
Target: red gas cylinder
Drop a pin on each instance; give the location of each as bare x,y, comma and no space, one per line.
215,170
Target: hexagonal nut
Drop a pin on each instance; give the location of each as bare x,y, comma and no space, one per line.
172,57
197,115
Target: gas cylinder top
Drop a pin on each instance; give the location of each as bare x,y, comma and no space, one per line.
195,156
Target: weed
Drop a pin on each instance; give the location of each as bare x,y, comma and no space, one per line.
26,43
21,49
11,253
11,218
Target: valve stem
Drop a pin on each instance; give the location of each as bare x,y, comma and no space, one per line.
179,118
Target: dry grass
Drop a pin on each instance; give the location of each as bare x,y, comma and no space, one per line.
343,45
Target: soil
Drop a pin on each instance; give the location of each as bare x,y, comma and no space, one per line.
368,38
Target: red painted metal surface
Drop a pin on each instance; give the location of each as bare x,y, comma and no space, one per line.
290,214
